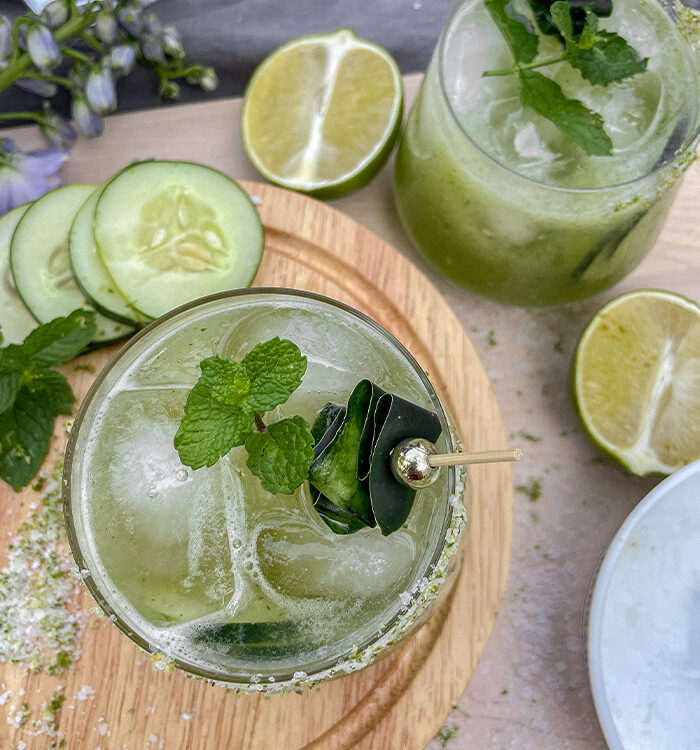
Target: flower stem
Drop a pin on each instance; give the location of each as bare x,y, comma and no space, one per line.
259,424
21,63
60,80
34,116
524,66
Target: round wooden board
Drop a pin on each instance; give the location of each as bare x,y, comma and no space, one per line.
399,702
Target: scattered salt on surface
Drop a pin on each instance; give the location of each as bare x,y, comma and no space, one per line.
85,692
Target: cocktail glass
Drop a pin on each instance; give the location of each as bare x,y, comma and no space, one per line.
206,569
503,203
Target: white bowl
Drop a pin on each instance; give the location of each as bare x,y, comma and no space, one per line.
644,623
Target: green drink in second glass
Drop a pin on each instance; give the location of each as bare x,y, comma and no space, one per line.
504,203
225,579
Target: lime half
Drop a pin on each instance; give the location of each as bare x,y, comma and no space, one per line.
321,114
637,380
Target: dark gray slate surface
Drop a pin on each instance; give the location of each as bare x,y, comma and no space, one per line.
235,35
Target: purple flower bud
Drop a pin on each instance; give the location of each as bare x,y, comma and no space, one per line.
152,48
209,81
172,43
5,41
87,122
55,14
26,177
57,131
106,27
42,47
123,59
40,88
151,24
130,20
100,90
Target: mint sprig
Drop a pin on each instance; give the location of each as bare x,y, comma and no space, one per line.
227,405
602,57
32,394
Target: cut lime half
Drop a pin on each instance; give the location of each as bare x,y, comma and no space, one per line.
322,113
637,380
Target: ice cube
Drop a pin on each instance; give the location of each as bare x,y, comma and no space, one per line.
159,526
301,562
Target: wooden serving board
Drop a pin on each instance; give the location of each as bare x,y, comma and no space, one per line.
399,702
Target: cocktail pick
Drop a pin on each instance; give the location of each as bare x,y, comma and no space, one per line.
416,462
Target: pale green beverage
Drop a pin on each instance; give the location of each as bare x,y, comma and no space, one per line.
207,568
505,204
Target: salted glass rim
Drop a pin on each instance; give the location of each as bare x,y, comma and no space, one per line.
685,149
245,680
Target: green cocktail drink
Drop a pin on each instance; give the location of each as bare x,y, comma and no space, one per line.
503,202
225,579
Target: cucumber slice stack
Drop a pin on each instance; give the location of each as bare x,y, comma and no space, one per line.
156,235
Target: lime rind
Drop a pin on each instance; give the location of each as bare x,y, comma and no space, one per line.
641,458
371,162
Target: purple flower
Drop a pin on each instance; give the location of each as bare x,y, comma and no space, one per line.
87,122
57,131
123,59
106,27
172,43
40,88
5,41
55,14
100,90
27,176
42,47
208,81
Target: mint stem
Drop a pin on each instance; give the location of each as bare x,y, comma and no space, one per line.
259,424
524,66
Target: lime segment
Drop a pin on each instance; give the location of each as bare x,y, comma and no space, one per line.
321,114
637,380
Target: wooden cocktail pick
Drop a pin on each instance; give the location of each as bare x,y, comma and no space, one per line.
416,462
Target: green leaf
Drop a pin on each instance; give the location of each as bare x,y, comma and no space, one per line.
572,117
53,344
10,383
226,380
54,390
516,29
561,16
542,11
275,369
240,639
281,455
210,427
25,435
609,57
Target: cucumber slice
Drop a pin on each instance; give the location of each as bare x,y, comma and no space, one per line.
170,232
41,265
15,320
90,272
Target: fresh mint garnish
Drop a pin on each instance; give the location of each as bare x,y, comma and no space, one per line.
571,117
344,455
230,398
602,57
281,455
32,395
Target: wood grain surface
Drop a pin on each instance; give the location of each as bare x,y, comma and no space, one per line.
399,702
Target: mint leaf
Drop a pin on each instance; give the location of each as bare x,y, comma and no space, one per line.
572,117
561,16
275,369
281,455
25,435
544,17
227,380
516,29
53,344
604,57
53,390
210,427
10,383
